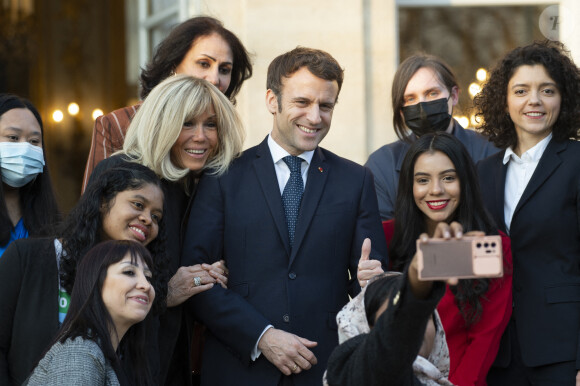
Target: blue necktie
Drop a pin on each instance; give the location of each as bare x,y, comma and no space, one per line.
292,194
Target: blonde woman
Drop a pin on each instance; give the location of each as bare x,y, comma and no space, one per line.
184,128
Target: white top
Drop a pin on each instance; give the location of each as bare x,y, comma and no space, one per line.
519,173
282,170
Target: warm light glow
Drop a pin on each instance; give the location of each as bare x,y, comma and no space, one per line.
481,74
97,113
73,108
475,121
463,120
57,115
474,89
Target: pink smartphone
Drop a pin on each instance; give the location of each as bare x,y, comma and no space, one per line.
470,257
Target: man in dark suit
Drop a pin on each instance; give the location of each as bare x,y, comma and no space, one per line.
289,218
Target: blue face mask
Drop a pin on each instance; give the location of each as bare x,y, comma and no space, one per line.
20,162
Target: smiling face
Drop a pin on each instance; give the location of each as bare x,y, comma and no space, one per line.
209,58
303,117
533,103
133,215
197,142
436,188
127,292
20,125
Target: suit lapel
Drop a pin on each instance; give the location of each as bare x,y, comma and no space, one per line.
317,175
499,196
549,162
266,175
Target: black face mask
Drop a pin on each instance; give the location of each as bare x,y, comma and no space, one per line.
427,117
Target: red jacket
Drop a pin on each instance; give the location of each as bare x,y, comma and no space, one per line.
473,349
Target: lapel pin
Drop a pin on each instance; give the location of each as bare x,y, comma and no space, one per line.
320,169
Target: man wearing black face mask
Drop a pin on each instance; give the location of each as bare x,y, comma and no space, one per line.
424,92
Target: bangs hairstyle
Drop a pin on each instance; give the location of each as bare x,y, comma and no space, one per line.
88,316
404,73
38,204
320,63
159,121
491,102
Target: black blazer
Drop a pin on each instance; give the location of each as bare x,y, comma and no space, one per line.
28,306
169,355
239,217
545,235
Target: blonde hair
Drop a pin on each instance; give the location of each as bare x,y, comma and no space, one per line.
158,123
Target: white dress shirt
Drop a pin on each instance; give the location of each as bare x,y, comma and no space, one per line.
283,175
519,173
282,170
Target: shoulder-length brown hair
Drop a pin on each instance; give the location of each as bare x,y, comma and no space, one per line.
405,72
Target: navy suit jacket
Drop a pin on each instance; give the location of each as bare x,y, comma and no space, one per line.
239,217
545,241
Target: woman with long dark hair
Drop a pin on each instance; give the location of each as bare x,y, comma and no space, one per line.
187,127
27,202
424,93
200,47
111,297
530,108
439,184
37,275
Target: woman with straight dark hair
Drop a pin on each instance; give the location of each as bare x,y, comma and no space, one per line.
439,184
530,108
27,202
37,275
111,297
200,47
186,128
424,94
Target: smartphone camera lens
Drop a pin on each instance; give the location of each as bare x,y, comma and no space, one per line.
493,245
478,245
486,245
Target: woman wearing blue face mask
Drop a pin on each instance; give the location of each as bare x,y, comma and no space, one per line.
27,203
424,93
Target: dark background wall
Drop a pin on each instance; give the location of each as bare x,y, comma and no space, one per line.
55,52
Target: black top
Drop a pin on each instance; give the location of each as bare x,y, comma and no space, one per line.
171,349
385,356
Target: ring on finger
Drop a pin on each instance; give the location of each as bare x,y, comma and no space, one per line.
197,281
294,368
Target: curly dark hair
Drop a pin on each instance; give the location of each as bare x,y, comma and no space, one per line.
171,51
37,199
471,214
83,226
491,102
